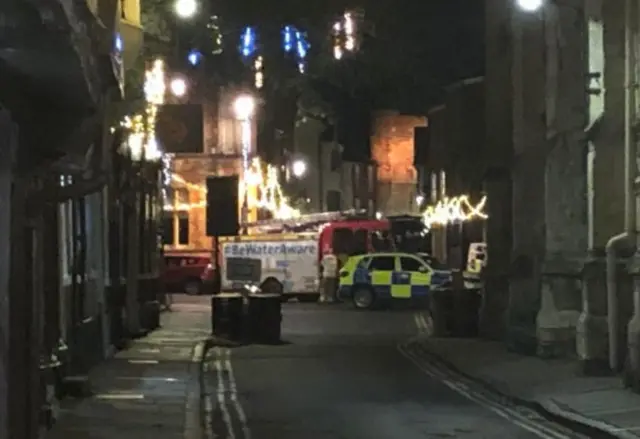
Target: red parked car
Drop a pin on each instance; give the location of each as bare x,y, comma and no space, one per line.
183,273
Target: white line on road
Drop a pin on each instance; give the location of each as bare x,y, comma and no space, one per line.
233,389
511,415
208,419
423,324
221,393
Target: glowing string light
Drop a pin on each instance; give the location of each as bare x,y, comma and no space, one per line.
452,210
263,191
259,75
141,140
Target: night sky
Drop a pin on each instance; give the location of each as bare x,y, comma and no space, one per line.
419,46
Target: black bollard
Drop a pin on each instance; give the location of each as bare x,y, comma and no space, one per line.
227,315
466,310
265,318
441,306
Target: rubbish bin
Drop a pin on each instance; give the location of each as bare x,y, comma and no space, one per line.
466,310
150,315
441,305
227,315
265,318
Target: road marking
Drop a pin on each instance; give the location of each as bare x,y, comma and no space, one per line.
509,414
208,418
424,324
120,396
233,389
193,419
221,393
143,362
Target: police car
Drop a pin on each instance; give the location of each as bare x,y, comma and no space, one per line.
375,277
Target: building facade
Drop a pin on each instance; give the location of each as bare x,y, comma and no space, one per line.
560,178
329,183
392,149
449,159
55,180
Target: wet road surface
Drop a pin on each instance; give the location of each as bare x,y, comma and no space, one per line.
340,375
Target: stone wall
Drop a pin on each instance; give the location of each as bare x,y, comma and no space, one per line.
392,148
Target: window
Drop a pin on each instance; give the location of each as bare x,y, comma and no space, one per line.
175,223
410,264
383,263
182,196
334,201
170,196
364,262
381,241
183,228
342,240
371,180
168,236
360,242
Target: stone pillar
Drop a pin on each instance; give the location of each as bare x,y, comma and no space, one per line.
605,21
7,139
498,235
529,139
565,179
497,181
632,365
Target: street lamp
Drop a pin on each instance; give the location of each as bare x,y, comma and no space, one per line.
185,8
244,106
178,87
530,5
299,168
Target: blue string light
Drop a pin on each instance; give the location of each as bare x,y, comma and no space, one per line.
287,38
194,57
248,42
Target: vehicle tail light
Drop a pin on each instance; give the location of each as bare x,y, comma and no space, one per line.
207,273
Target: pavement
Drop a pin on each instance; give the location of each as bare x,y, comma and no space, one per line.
151,389
339,373
553,386
345,374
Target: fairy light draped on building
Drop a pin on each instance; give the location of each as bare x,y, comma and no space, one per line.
263,190
141,141
258,72
452,210
268,194
344,35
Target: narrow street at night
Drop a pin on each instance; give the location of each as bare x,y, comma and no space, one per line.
339,373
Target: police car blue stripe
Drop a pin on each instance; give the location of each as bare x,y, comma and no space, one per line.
419,290
382,291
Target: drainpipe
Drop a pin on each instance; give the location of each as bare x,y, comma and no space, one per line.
627,239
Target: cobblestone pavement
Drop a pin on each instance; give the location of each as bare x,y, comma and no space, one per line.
150,390
340,373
